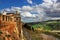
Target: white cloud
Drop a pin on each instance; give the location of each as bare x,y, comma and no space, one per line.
54,1
50,1
47,1
7,9
26,8
57,6
29,1
27,14
15,8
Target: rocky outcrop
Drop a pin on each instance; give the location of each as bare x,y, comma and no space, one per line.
9,31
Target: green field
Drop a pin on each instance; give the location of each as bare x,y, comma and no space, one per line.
50,25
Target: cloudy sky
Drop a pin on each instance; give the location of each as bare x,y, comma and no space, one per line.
33,10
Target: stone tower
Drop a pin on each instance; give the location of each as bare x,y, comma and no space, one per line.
18,20
19,24
17,16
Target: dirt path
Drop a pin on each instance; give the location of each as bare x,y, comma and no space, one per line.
30,35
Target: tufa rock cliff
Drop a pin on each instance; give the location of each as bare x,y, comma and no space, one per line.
9,31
